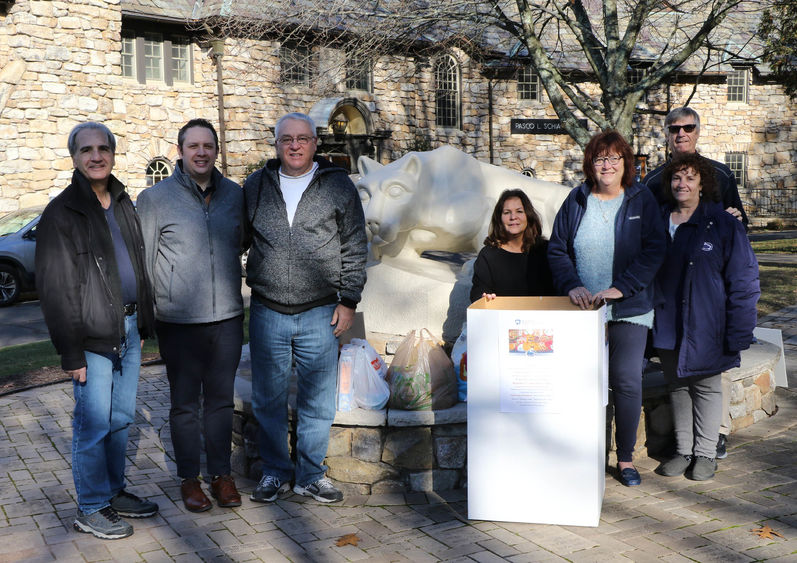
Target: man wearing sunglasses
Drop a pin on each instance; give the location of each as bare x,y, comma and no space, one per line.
306,268
682,128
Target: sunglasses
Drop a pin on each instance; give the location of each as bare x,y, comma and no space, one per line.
675,128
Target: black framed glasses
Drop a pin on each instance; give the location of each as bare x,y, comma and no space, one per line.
614,159
673,129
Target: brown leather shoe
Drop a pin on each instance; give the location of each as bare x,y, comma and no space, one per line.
194,498
223,490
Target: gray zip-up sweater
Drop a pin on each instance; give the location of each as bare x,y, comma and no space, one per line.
193,248
320,258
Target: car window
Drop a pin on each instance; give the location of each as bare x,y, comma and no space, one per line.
14,221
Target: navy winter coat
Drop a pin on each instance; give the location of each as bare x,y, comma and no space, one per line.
639,243
707,291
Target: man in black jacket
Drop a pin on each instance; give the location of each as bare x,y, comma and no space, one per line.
96,300
682,129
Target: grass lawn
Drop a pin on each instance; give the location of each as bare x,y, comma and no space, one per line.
782,246
26,357
778,288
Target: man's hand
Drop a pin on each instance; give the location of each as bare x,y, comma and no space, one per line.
735,212
342,319
78,375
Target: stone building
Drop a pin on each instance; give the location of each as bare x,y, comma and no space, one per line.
145,67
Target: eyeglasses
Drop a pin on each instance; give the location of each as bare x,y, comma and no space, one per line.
614,159
302,140
673,129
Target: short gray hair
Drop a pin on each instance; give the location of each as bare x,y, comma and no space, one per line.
679,113
295,115
72,141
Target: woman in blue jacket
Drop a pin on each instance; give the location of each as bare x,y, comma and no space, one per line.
707,293
607,244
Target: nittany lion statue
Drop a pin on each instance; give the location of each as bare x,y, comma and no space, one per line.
439,200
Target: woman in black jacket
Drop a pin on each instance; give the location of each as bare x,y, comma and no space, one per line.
514,259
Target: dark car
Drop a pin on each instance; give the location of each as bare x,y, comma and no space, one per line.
17,252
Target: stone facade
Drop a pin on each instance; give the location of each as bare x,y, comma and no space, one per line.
61,63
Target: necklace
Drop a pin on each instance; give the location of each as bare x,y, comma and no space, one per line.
606,217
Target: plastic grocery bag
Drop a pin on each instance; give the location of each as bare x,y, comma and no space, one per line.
371,391
421,375
459,355
345,397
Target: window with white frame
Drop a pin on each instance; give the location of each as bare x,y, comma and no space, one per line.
528,84
737,162
156,57
298,64
358,72
737,85
447,93
158,169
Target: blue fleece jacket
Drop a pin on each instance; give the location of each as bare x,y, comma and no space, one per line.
639,243
708,289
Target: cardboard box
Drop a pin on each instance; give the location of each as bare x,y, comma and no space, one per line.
537,395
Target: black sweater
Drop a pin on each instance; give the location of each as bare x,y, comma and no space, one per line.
512,273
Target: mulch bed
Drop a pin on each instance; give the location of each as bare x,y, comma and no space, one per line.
47,376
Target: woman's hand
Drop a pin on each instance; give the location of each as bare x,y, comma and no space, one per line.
488,296
610,294
580,296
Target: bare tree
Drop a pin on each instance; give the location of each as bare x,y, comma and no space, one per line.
582,50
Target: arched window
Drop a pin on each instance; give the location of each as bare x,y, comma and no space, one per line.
447,94
158,169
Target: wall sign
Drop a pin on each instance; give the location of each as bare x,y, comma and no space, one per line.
540,126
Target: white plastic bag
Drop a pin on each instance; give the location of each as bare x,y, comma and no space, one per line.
371,391
459,355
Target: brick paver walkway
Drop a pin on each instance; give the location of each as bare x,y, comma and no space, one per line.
667,519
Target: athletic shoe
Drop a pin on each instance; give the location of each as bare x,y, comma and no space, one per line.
269,489
675,466
703,469
722,447
322,490
130,506
105,524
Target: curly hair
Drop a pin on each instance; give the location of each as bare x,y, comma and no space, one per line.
604,143
497,235
702,166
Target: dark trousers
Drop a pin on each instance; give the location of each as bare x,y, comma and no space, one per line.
626,351
201,359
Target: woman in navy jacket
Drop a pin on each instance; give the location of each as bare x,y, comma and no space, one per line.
706,310
607,244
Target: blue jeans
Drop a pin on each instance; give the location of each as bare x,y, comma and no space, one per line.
276,341
104,409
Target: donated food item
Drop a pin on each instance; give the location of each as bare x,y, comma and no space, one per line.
421,375
345,397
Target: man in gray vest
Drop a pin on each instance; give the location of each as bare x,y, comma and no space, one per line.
193,228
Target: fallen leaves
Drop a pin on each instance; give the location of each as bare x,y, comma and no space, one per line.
348,539
764,532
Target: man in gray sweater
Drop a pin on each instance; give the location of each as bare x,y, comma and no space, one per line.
306,268
193,228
